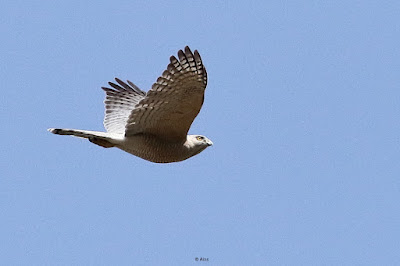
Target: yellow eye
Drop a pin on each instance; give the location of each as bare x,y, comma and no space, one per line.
199,138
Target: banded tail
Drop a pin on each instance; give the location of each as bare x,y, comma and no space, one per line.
102,139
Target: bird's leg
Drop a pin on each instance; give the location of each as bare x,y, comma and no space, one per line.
101,142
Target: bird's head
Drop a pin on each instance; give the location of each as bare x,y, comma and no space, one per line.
197,143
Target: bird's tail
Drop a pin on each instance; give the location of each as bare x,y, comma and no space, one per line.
100,138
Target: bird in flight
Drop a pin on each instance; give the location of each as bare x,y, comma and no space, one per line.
154,125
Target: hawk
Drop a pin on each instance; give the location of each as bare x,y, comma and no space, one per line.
154,125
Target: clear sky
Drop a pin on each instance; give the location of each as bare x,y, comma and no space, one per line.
302,105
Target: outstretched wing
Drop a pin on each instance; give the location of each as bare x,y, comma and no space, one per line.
173,102
120,100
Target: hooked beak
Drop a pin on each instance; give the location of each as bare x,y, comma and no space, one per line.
209,142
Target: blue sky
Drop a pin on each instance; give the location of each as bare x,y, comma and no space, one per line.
302,105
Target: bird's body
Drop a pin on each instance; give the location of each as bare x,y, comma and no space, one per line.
154,126
159,150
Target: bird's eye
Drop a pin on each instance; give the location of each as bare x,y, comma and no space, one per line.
199,138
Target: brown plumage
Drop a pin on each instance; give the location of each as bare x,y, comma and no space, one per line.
154,125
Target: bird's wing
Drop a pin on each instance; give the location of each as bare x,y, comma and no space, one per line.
173,102
120,100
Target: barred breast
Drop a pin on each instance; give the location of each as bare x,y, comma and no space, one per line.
155,149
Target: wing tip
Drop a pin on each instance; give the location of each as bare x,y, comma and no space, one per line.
188,50
119,81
